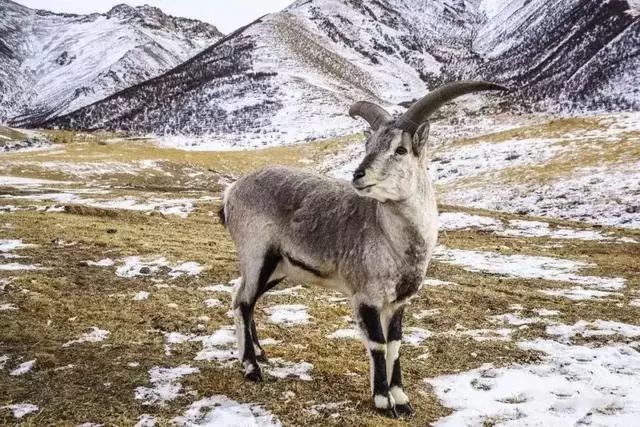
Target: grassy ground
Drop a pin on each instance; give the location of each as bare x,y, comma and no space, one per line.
66,299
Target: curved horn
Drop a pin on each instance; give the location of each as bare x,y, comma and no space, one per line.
374,114
419,112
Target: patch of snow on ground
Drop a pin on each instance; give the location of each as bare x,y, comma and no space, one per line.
218,288
288,314
11,245
575,385
592,329
526,267
284,369
212,302
134,266
23,368
18,181
141,296
459,221
8,307
216,346
578,293
521,228
502,334
96,335
350,334
165,384
146,420
414,336
219,410
596,195
19,410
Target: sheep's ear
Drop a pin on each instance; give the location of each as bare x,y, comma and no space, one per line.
420,138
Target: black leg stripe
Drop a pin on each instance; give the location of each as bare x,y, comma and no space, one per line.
269,265
396,376
395,326
380,385
370,318
247,320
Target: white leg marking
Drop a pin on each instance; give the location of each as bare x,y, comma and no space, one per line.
399,395
382,402
393,351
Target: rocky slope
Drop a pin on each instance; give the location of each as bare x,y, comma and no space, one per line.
52,64
584,52
291,75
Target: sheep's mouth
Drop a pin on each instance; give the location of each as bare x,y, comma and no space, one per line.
363,187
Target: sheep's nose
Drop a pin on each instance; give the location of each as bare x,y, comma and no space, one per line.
359,173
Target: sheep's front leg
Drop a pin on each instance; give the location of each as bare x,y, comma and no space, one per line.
374,339
394,372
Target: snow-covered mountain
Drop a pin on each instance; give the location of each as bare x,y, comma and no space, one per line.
291,75
52,64
572,51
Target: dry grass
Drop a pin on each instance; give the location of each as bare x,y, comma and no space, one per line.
64,301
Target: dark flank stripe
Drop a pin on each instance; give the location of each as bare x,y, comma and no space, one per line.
306,267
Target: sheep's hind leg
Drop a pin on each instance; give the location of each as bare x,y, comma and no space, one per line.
394,372
253,285
374,339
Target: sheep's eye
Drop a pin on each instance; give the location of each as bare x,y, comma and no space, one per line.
401,151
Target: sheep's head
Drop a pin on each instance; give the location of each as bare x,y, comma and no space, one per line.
395,158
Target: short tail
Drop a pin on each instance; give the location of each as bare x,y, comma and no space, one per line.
223,212
222,216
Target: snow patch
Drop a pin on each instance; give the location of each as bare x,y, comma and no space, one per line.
134,266
23,368
574,385
165,384
284,369
141,296
107,262
350,334
592,329
288,314
450,221
96,335
20,410
216,346
526,267
219,410
415,336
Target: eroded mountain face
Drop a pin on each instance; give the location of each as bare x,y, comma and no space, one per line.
52,64
288,76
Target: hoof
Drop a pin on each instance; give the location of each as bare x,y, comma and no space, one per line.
388,412
405,411
254,376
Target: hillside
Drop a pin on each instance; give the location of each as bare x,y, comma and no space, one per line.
290,76
52,64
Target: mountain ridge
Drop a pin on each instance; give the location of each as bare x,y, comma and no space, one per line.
296,71
55,63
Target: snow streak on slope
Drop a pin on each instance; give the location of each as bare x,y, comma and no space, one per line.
51,64
575,51
292,75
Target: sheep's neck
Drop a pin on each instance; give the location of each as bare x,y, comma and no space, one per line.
417,215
